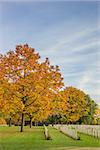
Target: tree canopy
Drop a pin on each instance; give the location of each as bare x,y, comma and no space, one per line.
29,84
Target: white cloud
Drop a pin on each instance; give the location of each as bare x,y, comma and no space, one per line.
72,37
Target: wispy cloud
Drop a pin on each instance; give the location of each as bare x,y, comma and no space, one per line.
80,61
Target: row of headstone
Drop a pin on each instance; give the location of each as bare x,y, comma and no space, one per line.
70,132
93,130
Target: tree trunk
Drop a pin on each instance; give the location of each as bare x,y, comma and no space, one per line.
22,123
10,122
30,122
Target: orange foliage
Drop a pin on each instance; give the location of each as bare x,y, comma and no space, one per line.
74,104
29,84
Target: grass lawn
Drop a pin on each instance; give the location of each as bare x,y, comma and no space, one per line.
34,139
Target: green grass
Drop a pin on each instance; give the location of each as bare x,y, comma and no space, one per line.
34,139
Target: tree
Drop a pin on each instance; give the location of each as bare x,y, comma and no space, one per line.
30,83
74,104
89,117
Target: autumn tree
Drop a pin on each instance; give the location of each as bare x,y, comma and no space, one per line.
31,83
74,104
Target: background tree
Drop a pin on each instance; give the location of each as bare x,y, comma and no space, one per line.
89,117
74,104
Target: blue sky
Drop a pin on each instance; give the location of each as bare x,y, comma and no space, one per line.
67,32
